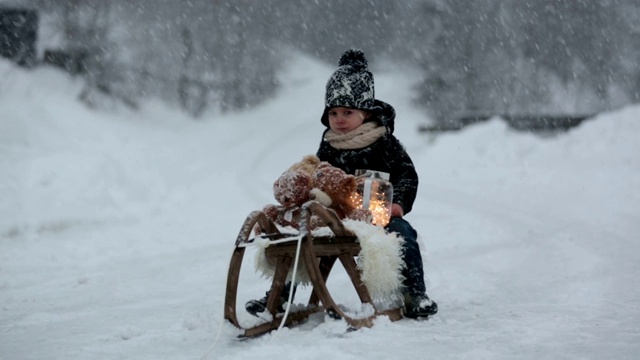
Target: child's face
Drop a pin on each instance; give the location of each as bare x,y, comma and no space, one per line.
342,119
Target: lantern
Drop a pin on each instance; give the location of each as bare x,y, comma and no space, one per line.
374,192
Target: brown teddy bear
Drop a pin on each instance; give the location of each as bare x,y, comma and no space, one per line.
291,190
311,179
333,188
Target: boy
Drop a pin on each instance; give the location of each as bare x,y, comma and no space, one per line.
359,135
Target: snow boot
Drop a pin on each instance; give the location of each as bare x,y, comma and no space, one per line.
255,307
419,306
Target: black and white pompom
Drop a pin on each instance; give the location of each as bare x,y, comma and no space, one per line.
354,58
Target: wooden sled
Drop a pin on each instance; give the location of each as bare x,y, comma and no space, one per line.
318,254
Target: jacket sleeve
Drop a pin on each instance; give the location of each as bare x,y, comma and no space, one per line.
404,177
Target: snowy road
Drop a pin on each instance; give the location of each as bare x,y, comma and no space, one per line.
116,231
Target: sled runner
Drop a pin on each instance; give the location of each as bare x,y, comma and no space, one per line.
317,253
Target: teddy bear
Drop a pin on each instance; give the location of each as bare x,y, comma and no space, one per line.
291,190
333,188
312,179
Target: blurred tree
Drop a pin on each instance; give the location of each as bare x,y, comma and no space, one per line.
452,62
18,35
505,57
327,28
227,54
483,56
88,29
587,38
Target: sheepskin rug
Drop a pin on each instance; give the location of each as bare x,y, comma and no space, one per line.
379,262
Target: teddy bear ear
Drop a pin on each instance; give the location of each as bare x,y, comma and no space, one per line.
323,165
324,169
351,181
311,159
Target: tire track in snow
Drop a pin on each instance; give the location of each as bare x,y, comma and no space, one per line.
545,255
549,277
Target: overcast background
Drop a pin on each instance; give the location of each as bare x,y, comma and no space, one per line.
481,57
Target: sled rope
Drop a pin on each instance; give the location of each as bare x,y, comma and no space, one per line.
293,281
215,340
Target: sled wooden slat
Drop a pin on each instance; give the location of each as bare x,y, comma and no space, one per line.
293,318
318,254
324,246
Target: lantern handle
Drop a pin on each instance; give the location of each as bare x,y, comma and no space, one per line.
372,174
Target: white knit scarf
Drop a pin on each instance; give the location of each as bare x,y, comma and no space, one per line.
358,138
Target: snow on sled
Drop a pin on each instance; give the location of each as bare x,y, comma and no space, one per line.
314,252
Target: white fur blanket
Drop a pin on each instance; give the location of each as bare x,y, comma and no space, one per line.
380,259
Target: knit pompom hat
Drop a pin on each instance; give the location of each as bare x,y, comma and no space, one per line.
351,85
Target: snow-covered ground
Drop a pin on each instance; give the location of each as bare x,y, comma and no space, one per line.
116,230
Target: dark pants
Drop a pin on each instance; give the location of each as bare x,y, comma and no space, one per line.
413,272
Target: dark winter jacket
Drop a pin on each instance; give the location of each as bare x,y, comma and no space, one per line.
387,154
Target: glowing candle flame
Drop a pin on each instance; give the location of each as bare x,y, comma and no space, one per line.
375,194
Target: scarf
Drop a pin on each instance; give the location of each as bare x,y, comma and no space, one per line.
358,138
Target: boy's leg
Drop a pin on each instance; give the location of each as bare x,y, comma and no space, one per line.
416,300
413,272
254,307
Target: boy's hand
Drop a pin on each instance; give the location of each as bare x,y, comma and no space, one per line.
396,210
